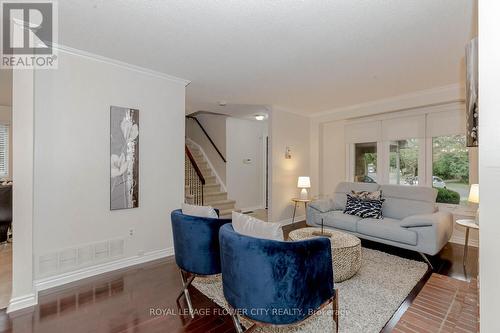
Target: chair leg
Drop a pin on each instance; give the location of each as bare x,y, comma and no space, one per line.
185,284
427,261
236,322
335,304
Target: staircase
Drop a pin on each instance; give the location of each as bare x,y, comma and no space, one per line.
212,190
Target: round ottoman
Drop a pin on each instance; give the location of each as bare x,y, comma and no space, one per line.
346,251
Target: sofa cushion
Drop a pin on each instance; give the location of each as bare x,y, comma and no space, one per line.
337,219
387,228
323,205
403,201
340,198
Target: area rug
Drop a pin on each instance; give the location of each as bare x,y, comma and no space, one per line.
367,300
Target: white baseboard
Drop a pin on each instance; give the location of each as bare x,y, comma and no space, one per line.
22,302
289,221
30,300
248,209
461,241
61,279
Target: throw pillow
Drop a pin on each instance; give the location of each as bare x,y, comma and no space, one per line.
363,208
250,226
200,211
366,195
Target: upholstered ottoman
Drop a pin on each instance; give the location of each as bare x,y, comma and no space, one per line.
346,251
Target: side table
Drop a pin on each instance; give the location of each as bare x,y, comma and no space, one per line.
296,202
467,224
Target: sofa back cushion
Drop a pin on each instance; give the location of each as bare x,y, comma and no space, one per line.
343,188
402,201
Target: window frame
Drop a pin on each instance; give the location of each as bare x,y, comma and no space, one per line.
441,120
7,129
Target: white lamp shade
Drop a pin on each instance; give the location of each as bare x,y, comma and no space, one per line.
474,193
304,182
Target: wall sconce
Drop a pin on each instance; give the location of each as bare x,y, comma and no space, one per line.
288,153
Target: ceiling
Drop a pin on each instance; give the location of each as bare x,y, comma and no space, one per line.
303,56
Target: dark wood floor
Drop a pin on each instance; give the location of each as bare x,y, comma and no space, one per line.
132,300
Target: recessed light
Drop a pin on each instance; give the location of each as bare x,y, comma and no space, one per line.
260,117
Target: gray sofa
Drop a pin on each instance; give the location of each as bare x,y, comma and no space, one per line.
410,220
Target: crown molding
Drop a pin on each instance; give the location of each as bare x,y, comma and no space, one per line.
425,98
118,63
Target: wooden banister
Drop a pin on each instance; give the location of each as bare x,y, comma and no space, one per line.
208,137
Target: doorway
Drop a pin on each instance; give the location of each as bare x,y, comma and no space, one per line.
5,187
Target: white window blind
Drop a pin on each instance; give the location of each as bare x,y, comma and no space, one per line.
4,150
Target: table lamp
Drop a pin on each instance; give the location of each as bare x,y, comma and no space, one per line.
304,183
474,198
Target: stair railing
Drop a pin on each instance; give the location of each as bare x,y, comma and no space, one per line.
208,137
194,179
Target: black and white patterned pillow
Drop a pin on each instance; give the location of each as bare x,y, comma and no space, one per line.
363,208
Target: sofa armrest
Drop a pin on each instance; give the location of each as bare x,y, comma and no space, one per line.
322,205
427,220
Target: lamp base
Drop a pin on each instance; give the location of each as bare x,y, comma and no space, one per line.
303,194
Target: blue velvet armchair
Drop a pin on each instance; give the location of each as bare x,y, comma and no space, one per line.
276,283
196,244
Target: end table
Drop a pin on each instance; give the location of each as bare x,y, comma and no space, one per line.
296,202
467,224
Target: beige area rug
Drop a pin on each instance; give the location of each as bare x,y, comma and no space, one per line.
367,301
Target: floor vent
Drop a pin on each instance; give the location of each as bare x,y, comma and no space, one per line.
83,256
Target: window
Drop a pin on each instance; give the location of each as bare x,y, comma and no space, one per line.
4,150
450,168
403,162
365,166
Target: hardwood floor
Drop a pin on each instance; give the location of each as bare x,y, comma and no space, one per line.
142,299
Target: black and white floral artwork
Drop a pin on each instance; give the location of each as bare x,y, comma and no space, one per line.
472,113
124,150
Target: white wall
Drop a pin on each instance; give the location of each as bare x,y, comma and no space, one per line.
71,176
23,294
332,156
292,130
489,163
245,181
215,126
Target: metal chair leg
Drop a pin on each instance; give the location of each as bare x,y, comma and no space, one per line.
185,284
237,322
335,305
428,262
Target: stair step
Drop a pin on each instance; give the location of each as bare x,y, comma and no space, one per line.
210,180
208,188
211,188
227,213
208,198
206,173
223,204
